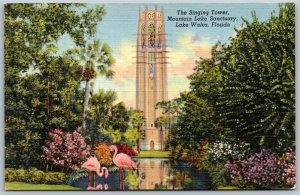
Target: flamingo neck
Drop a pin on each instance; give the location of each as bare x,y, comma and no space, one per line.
101,173
116,151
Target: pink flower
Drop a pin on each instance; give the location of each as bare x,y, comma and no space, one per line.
64,149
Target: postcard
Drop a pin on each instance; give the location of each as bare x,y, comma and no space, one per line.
182,96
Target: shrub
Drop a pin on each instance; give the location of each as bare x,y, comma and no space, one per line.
102,152
54,178
66,150
10,174
33,175
20,174
76,175
124,149
36,176
50,178
287,164
263,170
222,151
216,173
259,170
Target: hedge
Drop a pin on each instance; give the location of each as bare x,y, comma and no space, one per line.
33,175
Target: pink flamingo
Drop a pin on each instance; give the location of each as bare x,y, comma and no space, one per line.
98,187
105,186
122,160
93,165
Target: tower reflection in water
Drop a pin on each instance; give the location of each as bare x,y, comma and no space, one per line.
153,173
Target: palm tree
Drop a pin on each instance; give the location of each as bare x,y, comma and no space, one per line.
96,60
102,103
137,120
119,117
170,108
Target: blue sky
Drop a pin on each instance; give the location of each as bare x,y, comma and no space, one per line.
119,27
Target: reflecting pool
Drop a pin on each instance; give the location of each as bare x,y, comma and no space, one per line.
154,174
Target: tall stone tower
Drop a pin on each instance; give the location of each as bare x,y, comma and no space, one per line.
151,73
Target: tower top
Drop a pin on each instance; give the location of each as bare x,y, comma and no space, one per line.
151,13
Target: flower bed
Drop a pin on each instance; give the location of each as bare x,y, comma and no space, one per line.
263,170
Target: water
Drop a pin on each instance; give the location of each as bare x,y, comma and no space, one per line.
155,174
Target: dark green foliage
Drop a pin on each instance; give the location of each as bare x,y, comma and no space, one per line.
246,90
101,104
42,86
119,118
76,175
105,114
196,121
257,100
194,124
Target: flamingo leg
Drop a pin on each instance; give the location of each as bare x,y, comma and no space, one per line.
88,179
120,179
123,174
94,180
123,183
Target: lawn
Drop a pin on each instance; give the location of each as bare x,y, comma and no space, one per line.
252,188
234,188
228,188
153,154
30,186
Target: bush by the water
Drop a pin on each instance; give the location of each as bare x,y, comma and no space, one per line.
33,175
65,149
102,152
263,170
76,175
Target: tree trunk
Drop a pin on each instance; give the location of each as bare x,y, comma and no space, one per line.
169,128
86,103
139,139
161,139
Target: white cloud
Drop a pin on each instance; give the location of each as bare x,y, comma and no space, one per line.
125,62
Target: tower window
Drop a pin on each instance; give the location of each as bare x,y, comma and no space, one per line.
151,64
143,31
151,32
159,37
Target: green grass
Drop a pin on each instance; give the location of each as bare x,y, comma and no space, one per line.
234,188
252,188
227,188
154,153
30,186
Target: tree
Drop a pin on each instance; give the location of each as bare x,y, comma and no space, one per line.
41,85
246,90
101,106
257,100
131,135
137,120
99,115
170,109
161,123
96,60
119,117
196,122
